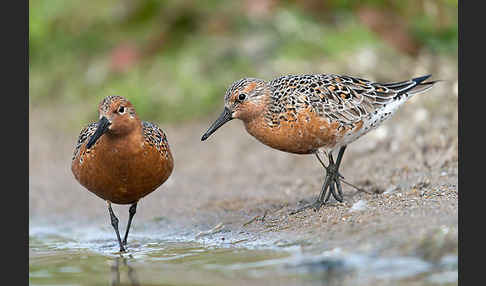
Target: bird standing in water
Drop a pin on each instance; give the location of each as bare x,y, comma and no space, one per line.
120,158
310,114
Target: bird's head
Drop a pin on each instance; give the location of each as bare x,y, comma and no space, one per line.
117,117
243,100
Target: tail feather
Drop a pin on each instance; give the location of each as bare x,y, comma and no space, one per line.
420,85
411,87
420,88
418,80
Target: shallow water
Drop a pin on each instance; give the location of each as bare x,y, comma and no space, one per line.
88,256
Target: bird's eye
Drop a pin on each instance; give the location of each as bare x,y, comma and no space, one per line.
241,96
121,109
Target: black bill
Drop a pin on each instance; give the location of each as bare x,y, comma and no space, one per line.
100,130
222,119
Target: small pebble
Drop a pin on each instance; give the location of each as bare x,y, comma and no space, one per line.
358,206
390,190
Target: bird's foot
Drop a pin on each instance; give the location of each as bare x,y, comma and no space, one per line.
332,185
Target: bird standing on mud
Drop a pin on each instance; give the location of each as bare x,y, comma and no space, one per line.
310,114
120,158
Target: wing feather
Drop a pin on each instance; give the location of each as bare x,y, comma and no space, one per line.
85,134
343,98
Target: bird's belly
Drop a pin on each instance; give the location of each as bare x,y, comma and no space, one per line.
304,135
123,181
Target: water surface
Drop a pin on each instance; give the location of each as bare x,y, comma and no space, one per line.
89,256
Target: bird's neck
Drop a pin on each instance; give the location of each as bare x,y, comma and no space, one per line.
130,141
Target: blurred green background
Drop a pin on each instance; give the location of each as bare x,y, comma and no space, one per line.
174,59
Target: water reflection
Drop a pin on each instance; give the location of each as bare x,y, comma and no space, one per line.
115,271
57,260
328,271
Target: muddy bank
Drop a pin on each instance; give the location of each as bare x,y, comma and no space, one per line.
245,191
408,168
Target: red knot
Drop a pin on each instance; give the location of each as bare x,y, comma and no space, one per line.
313,114
121,158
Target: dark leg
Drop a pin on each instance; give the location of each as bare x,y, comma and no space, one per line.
332,171
339,177
325,186
331,182
132,211
332,178
114,223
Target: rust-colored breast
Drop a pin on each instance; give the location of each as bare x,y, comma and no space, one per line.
123,169
302,133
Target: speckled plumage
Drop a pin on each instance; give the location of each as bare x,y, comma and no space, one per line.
85,134
305,114
347,107
154,136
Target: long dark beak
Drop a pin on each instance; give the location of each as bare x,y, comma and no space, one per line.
100,130
222,119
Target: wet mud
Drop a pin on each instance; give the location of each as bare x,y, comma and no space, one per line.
224,212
